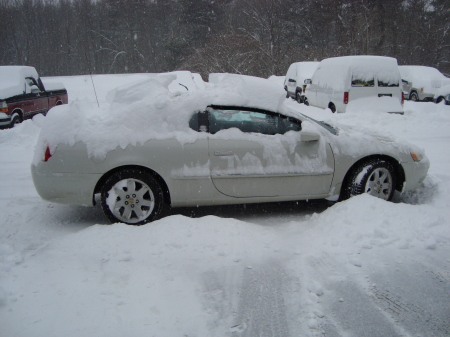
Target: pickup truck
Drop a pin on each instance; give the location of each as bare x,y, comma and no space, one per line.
23,95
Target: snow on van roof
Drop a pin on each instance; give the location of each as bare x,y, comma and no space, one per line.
147,109
335,71
11,80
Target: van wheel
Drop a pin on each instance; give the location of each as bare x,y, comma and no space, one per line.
332,107
414,97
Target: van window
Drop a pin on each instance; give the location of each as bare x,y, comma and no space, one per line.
356,82
385,84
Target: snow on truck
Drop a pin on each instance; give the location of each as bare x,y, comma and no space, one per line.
23,95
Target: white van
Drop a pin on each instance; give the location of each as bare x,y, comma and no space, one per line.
294,83
364,82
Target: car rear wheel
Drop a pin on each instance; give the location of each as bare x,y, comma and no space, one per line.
132,196
375,177
413,96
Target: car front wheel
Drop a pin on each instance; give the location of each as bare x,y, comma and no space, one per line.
132,196
375,177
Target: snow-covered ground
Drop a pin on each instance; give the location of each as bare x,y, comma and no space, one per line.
363,267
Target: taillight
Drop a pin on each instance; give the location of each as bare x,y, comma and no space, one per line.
47,154
346,97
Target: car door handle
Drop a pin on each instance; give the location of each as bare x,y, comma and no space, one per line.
223,153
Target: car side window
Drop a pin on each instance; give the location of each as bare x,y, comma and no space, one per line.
250,122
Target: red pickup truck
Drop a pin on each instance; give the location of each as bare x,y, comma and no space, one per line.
23,95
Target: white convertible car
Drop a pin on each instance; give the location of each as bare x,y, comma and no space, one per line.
140,155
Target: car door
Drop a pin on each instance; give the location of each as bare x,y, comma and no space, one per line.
38,101
260,154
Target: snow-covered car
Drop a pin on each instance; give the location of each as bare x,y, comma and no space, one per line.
234,142
424,82
443,95
23,94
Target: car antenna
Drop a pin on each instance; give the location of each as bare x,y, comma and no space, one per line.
92,80
184,86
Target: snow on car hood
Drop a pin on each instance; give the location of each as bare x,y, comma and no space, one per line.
147,109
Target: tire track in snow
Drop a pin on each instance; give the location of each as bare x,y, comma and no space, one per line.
261,308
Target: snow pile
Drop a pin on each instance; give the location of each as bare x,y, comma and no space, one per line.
147,109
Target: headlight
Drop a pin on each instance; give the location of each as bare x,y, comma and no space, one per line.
3,107
416,156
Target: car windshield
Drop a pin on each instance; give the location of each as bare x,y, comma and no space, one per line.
328,127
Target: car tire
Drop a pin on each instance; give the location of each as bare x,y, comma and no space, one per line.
15,120
413,96
375,177
298,97
132,196
305,101
439,99
332,107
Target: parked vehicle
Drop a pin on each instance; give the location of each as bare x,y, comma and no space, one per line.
294,82
339,81
23,95
443,95
424,81
221,154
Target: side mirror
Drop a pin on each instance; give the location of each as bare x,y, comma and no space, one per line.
308,81
35,89
307,136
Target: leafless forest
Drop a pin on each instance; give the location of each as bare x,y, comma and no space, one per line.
254,37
